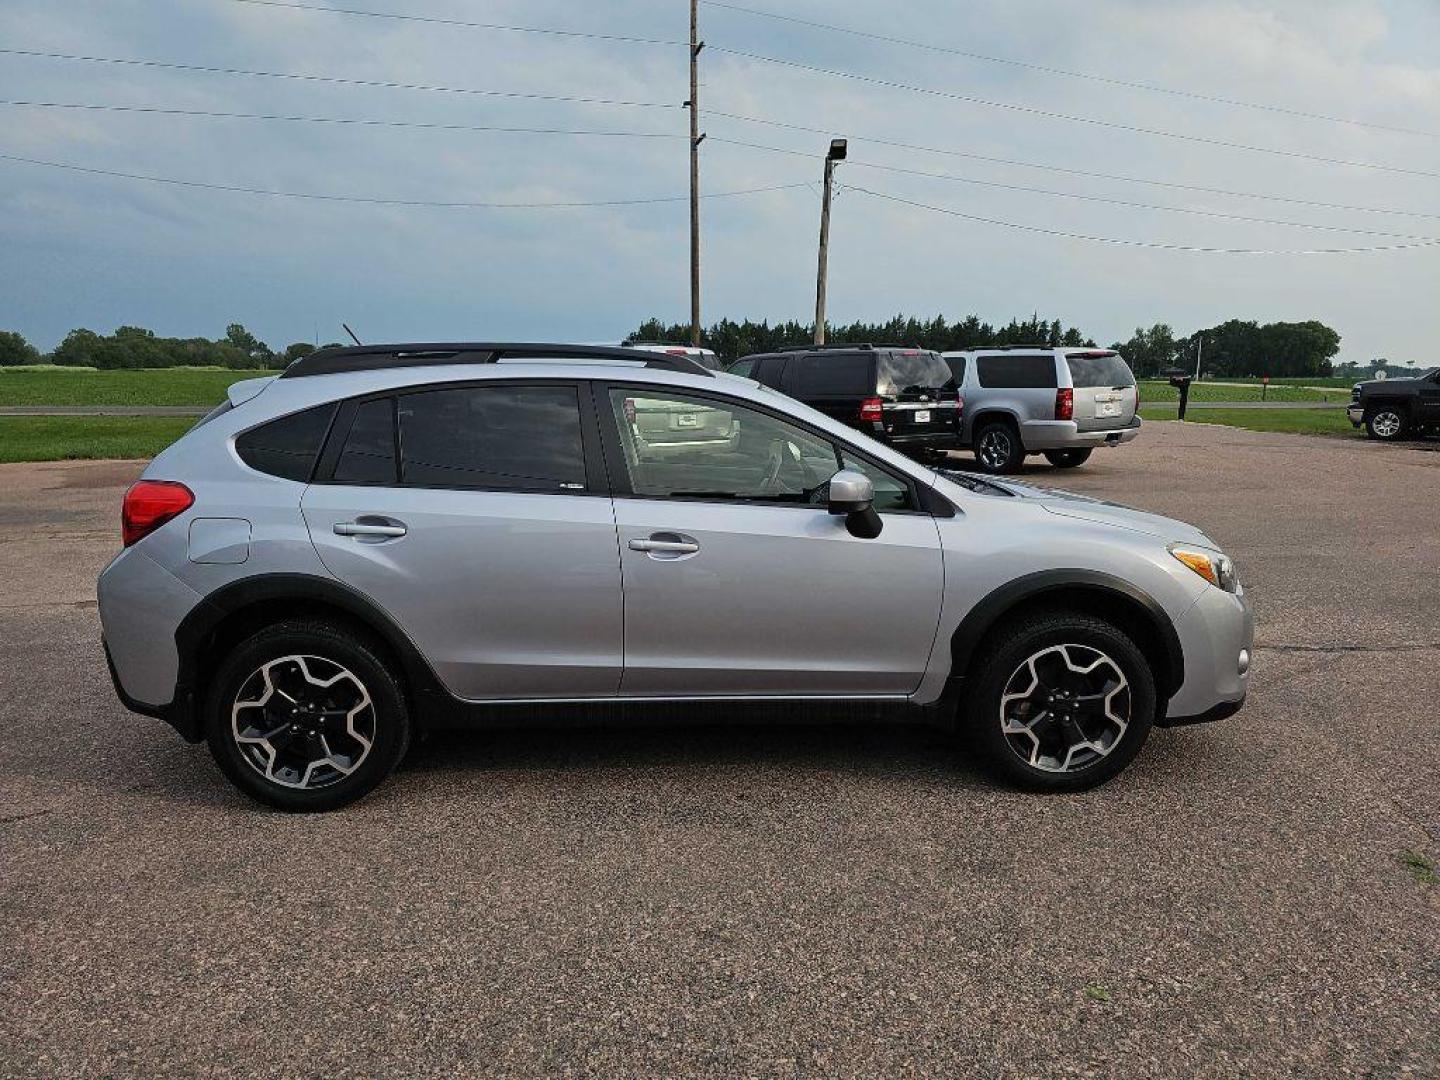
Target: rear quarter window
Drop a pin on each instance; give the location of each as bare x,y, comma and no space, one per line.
287,447
1099,369
1016,372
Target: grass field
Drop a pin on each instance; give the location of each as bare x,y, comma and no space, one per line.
68,386
60,438
1293,421
1154,390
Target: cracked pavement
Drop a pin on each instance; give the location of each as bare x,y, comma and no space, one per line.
766,901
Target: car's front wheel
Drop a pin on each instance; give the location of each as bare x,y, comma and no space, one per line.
1060,701
1387,423
1068,459
306,716
998,448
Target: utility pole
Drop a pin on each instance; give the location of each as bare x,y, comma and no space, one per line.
695,139
836,153
1199,352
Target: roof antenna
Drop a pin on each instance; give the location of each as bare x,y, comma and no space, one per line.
352,335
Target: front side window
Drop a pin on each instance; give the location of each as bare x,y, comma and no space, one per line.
525,438
742,367
677,446
890,493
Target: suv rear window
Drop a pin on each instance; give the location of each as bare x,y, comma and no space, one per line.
511,437
1016,372
1099,369
287,447
912,370
833,375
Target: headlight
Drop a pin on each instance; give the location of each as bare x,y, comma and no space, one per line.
1214,567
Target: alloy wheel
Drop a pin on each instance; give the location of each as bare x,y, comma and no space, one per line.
303,721
1386,424
995,449
1065,708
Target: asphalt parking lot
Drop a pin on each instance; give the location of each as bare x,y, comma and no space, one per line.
761,901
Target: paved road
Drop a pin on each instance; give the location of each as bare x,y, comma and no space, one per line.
767,902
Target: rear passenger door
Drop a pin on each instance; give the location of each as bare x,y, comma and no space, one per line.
477,516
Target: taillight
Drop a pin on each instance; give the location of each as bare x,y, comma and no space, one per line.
959,402
870,409
149,504
1065,404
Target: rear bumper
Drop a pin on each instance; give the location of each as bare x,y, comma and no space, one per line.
947,440
1066,435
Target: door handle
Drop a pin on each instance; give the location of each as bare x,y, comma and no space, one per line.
670,547
360,528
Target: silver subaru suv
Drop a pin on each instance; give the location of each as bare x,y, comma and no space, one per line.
1027,399
387,539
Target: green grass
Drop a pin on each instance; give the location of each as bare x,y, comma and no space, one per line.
59,438
1421,868
1155,390
1293,421
166,386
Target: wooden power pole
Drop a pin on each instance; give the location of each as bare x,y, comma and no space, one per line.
695,139
836,153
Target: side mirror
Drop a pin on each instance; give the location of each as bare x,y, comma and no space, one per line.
852,495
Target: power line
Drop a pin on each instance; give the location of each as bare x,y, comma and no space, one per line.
1151,244
1068,73
174,181
157,110
1030,110
382,84
460,23
1171,184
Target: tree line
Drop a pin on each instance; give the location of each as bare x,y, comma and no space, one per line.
1233,348
136,347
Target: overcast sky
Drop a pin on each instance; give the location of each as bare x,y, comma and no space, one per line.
80,249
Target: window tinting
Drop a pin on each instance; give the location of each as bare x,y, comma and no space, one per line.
1099,369
833,375
956,364
742,367
1016,371
286,447
521,437
369,453
912,371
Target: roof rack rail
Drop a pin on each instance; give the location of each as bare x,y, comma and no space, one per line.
1007,348
380,357
865,345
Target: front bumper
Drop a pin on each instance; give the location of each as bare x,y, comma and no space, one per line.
1215,631
1355,414
1066,435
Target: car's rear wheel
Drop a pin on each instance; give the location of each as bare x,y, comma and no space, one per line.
1068,459
998,448
1060,701
1386,423
306,716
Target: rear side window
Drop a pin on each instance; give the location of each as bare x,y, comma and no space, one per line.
1099,369
911,371
956,364
368,456
1016,372
832,375
524,438
287,447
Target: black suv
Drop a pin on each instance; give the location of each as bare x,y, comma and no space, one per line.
1393,409
904,397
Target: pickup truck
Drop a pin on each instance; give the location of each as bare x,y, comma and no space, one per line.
1392,409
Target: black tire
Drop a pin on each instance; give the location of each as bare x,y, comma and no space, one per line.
1002,659
1387,423
325,648
998,448
1068,459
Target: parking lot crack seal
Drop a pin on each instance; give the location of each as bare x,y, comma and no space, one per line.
1414,647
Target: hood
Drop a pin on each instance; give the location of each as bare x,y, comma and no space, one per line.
1085,508
1393,381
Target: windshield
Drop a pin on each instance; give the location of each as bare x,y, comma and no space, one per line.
1099,369
912,371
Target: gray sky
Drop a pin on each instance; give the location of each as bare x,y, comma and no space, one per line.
86,250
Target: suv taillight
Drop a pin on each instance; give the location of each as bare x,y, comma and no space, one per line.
1065,404
149,504
870,409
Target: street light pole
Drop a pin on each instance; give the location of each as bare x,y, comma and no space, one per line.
836,153
695,139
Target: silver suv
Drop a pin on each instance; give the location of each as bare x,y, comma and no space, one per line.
1062,403
387,539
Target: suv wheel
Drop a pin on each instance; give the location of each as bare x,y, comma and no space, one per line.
305,716
1061,702
1068,459
1387,423
998,448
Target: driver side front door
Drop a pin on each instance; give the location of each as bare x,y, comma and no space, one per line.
737,581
